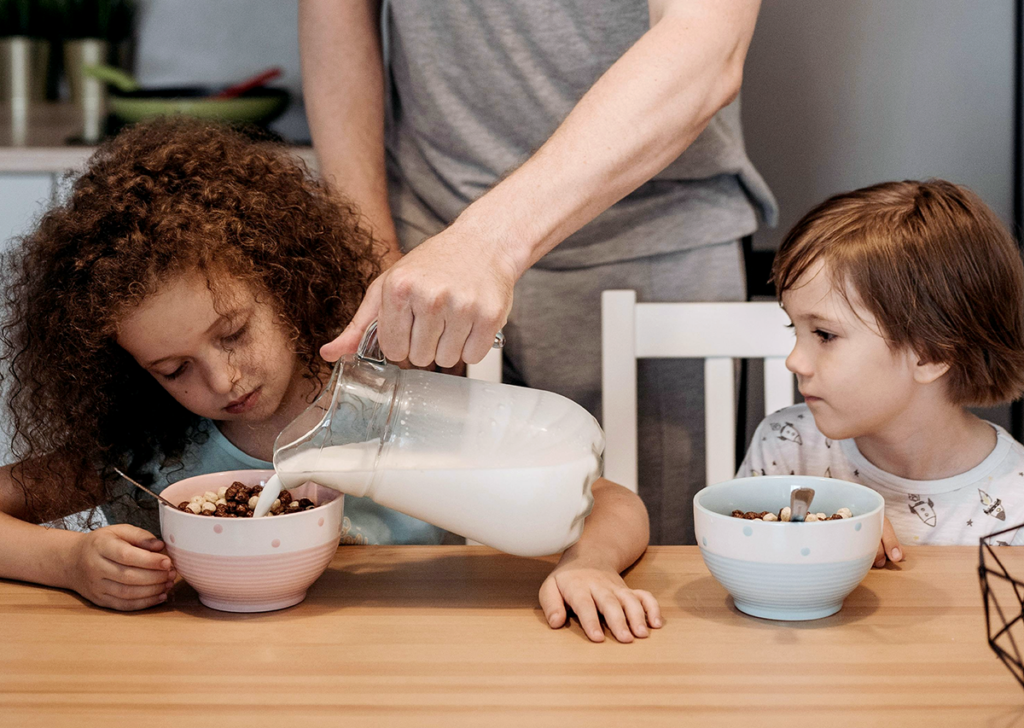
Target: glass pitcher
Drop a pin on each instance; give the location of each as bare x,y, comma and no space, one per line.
510,467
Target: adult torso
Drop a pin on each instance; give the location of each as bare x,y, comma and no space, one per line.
478,87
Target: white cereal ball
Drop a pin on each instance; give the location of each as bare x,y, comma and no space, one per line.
222,491
822,517
209,507
844,513
195,508
811,518
221,502
253,501
786,513
770,517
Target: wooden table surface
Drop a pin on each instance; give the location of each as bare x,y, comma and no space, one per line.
453,636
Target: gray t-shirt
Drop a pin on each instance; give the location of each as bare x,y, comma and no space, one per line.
953,511
476,88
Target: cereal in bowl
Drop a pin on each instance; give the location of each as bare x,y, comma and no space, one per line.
239,500
783,515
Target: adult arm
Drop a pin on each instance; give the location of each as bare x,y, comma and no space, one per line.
343,85
587,577
446,300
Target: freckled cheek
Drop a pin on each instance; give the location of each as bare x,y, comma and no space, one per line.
182,394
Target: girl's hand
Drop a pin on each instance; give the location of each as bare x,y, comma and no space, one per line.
889,546
120,567
592,593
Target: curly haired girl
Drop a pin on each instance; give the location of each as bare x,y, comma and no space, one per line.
165,320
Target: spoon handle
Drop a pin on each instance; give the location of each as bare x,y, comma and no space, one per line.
799,503
141,486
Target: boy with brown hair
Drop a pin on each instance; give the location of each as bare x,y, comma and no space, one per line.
907,299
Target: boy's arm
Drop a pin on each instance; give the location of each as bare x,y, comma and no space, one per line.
117,567
587,576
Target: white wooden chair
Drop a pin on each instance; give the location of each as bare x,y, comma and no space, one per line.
488,369
715,332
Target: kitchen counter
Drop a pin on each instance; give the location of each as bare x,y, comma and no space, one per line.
453,636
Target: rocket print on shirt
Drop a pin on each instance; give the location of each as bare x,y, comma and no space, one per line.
992,508
923,509
787,432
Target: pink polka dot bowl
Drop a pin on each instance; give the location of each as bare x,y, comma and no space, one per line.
251,564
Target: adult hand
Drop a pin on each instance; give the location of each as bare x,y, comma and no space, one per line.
443,302
120,567
592,593
889,547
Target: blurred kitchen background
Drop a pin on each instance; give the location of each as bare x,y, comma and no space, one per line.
837,94
162,43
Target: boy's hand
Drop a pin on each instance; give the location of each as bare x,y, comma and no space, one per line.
889,547
120,567
592,593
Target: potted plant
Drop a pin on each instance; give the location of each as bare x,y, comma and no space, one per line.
24,49
94,32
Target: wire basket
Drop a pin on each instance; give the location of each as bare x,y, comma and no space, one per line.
1003,597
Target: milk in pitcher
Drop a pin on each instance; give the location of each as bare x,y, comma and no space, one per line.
518,510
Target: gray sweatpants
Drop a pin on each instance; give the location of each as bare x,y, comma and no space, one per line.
554,343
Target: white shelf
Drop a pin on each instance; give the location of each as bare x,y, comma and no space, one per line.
37,141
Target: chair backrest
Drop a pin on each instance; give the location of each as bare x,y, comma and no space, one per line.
488,369
719,333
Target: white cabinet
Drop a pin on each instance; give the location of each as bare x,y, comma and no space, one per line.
24,197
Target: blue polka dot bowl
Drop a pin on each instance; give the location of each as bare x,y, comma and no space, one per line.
783,570
251,564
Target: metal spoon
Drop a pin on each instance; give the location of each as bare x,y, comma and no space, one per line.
799,503
140,485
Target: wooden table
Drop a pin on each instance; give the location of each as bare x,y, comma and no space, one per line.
453,636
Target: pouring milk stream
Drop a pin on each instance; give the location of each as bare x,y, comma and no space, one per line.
510,467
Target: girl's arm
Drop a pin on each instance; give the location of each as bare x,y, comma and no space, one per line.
587,577
29,552
117,567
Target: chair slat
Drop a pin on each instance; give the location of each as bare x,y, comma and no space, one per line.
719,419
778,385
699,330
618,387
488,369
